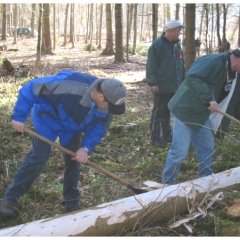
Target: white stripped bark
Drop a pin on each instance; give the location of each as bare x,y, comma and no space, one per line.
115,218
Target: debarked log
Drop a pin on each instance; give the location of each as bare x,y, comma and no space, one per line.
131,213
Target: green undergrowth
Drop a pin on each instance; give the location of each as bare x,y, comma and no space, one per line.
125,151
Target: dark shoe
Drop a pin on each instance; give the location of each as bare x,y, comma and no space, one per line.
158,143
7,209
168,138
72,208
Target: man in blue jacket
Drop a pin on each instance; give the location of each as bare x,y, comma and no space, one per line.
164,73
207,80
64,106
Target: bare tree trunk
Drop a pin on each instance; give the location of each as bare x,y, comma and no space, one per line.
218,25
100,27
148,34
207,13
109,45
54,26
212,33
88,21
91,27
154,20
130,14
119,55
15,23
201,24
10,19
224,22
65,25
46,39
72,25
96,24
142,18
135,29
190,35
132,214
239,27
177,11
33,19
38,60
4,22
127,37
167,9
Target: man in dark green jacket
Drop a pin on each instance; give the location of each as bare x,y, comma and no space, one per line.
205,81
164,72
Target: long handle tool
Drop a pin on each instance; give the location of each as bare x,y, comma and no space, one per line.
207,104
89,163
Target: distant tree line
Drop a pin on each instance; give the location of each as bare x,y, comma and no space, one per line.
115,25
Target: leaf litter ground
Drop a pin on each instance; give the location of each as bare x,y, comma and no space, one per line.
125,150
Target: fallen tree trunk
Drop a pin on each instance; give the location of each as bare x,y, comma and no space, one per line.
132,213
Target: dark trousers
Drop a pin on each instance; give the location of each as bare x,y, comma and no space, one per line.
160,118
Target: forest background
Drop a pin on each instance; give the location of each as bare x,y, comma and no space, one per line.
107,40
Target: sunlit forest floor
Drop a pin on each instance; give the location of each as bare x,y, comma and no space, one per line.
125,150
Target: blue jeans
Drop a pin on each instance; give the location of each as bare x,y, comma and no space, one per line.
32,166
203,144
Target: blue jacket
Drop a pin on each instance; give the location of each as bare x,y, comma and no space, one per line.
61,107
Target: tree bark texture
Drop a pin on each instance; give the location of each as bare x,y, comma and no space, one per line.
132,213
154,20
135,29
65,25
4,22
46,33
119,54
109,45
190,36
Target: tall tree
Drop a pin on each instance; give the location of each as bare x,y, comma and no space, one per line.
127,37
154,20
54,26
190,35
91,27
129,16
109,45
15,23
96,23
4,22
142,19
33,19
218,25
201,23
87,24
65,25
100,27
46,33
134,29
206,24
239,27
72,24
38,59
119,55
177,11
168,12
225,8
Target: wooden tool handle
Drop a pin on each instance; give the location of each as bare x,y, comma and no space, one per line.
65,150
